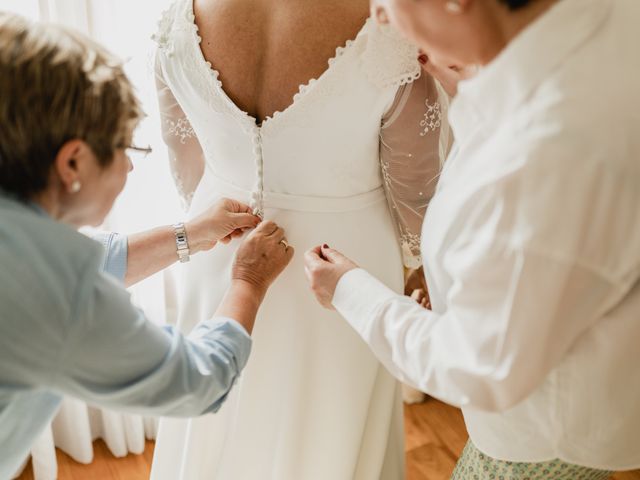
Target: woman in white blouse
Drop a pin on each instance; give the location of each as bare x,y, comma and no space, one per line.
531,243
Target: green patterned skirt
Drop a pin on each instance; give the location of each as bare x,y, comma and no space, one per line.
475,465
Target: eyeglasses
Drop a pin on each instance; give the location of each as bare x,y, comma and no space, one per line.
137,152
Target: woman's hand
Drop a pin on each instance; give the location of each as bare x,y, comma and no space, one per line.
223,221
421,296
413,280
262,257
324,268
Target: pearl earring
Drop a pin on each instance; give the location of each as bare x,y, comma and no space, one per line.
453,6
75,186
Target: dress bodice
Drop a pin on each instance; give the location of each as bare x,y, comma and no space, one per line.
326,144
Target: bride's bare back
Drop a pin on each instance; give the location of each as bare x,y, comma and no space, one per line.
265,49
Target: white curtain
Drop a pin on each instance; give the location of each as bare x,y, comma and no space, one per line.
149,199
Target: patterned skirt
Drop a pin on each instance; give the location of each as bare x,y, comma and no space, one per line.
475,465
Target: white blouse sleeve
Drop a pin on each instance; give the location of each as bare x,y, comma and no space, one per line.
502,333
185,153
517,289
413,145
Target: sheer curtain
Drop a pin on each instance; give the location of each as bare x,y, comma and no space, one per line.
149,199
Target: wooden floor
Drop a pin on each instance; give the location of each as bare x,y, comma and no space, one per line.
435,436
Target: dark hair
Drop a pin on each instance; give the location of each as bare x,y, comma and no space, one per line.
57,85
515,4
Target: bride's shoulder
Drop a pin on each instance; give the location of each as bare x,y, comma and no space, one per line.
388,59
179,15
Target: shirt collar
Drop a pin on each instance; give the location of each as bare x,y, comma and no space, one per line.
38,209
33,206
525,63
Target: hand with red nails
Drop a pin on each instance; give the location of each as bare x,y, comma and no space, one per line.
324,268
422,297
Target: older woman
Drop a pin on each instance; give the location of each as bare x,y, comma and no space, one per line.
67,113
531,241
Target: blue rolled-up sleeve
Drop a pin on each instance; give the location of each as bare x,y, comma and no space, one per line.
117,358
220,341
116,247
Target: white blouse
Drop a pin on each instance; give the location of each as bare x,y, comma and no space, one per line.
531,247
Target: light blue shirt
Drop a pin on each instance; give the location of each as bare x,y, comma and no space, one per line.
67,328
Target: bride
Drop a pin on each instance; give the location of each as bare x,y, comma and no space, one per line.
259,105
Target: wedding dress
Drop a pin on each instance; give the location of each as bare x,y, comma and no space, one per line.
352,163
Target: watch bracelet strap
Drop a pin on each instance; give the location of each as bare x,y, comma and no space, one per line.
182,242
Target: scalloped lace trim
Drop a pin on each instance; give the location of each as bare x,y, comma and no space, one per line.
389,59
164,41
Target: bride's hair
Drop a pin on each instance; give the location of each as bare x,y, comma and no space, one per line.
57,85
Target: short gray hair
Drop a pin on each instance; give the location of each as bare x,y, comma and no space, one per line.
57,85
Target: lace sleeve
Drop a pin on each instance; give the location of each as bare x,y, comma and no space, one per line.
186,159
413,144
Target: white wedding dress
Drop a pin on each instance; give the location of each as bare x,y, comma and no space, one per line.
352,163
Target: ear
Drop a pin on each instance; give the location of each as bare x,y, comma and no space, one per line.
71,163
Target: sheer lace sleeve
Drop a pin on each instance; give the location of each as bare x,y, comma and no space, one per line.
413,145
185,153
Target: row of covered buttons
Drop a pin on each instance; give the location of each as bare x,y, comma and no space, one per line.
257,194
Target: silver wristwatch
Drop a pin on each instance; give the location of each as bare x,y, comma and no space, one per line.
182,244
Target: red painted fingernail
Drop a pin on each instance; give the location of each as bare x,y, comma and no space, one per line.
325,246
423,59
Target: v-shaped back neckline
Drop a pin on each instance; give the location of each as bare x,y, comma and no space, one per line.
302,89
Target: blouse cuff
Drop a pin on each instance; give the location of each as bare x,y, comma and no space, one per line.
235,336
358,297
116,248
